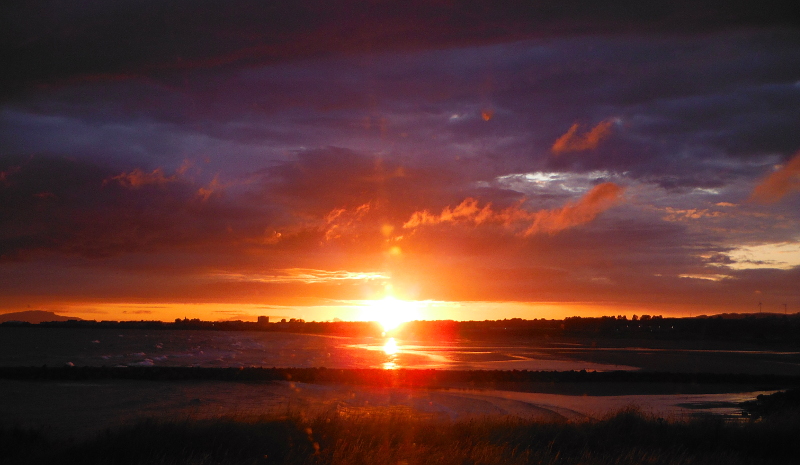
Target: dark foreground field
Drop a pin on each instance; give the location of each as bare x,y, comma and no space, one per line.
392,436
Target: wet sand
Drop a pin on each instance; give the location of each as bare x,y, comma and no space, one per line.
81,409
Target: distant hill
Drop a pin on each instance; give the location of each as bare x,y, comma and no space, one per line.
741,316
34,316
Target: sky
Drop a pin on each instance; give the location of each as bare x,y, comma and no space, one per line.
162,159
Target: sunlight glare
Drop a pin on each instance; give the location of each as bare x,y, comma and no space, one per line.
390,347
391,312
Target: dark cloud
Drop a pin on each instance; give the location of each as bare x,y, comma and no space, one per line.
73,207
318,181
696,101
52,41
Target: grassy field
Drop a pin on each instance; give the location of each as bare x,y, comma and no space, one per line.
400,437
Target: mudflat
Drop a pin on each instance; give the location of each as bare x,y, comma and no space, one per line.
84,408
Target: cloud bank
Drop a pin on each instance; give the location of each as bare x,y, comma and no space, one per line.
586,209
196,151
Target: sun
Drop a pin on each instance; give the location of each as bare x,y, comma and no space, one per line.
391,312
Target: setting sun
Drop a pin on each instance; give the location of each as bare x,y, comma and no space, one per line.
391,312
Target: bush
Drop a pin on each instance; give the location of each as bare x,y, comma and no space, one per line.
400,436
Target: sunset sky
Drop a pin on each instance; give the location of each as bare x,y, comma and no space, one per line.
227,159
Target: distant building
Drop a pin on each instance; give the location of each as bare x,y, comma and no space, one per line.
262,320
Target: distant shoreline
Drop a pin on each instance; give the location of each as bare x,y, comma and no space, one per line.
761,329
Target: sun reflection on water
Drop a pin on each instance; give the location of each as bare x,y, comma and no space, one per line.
390,348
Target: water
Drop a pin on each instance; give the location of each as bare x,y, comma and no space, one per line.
131,347
84,408
136,347
107,347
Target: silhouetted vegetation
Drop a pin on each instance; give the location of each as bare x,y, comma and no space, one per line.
386,436
753,328
779,403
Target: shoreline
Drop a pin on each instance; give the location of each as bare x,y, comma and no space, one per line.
401,377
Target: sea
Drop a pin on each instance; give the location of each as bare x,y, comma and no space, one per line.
142,347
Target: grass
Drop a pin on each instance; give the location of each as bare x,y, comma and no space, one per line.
397,437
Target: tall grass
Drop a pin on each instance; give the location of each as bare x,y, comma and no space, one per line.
396,437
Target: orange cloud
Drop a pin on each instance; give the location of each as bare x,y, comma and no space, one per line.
138,178
574,142
302,275
677,214
341,221
586,209
599,199
206,192
467,210
778,184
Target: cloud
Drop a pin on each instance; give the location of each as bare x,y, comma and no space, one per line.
779,184
342,221
302,275
697,115
331,197
586,209
706,109
467,210
79,208
782,255
117,40
677,214
213,187
138,178
574,142
319,183
600,198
